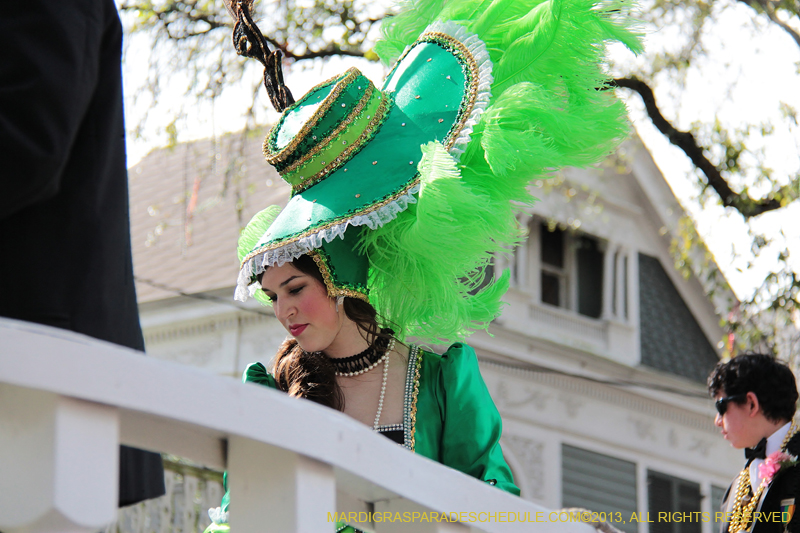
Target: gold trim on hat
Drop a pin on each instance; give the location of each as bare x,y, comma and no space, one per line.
282,155
335,133
474,82
333,290
380,116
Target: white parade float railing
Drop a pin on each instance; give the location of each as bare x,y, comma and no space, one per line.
67,401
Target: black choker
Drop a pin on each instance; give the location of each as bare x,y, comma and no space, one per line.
364,361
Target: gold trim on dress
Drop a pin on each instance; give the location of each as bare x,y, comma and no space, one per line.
414,396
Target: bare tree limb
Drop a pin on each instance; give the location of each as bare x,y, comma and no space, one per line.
173,12
178,11
329,51
768,8
748,207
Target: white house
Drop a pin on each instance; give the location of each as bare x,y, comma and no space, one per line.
597,365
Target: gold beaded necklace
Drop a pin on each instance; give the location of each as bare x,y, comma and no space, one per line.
741,514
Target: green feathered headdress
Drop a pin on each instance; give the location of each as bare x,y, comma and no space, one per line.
403,194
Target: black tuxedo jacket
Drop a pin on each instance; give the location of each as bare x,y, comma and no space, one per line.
781,492
65,254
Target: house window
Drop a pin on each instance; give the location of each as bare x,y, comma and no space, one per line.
554,271
590,276
571,271
668,494
599,483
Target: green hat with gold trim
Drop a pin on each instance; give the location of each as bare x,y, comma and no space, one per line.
402,194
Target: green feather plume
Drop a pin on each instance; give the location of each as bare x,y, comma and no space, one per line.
255,229
250,235
549,109
427,266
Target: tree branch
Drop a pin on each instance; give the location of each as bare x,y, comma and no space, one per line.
329,51
165,17
173,13
747,206
767,7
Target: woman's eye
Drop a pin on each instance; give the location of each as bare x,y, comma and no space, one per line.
297,289
272,298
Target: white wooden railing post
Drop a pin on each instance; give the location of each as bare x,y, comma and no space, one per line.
59,462
278,490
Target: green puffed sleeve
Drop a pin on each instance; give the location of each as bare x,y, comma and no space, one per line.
257,373
471,425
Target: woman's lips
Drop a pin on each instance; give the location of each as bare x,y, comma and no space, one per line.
297,329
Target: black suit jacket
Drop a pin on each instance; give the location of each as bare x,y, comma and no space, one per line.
783,490
65,254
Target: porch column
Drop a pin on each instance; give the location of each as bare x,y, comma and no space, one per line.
59,459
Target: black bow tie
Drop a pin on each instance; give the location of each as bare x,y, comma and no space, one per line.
759,452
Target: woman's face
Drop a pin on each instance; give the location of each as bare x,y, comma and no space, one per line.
302,305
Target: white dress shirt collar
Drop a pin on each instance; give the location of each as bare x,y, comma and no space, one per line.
774,442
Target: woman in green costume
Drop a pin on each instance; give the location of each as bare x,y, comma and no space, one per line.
402,195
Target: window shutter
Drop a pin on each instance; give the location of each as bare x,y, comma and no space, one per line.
676,496
599,483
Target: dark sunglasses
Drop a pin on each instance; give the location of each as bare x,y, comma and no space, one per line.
722,403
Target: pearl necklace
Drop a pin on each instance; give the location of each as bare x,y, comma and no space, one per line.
742,514
385,360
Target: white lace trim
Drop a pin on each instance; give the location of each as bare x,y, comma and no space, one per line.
477,48
289,252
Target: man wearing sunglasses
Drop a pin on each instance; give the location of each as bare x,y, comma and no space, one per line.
756,396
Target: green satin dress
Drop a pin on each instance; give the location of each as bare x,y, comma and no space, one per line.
448,416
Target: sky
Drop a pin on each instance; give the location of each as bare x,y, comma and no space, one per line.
764,71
